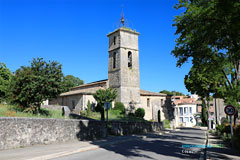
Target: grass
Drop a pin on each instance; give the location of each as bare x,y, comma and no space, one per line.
113,115
14,111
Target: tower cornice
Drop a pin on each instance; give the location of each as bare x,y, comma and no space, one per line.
124,29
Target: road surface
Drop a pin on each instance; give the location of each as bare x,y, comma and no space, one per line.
182,144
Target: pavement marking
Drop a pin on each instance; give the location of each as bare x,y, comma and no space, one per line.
202,152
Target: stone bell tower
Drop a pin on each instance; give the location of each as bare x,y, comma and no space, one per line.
123,65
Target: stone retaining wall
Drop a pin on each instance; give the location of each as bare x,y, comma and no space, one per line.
17,132
126,128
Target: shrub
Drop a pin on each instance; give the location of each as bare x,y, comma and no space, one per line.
120,106
166,123
140,112
131,114
226,128
220,129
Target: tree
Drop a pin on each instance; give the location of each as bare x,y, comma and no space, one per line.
88,108
5,79
208,34
203,80
102,96
36,83
172,93
70,81
204,113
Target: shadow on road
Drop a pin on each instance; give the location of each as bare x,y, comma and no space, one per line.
151,146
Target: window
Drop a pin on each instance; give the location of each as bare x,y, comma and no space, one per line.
148,102
161,102
186,110
190,110
186,119
180,119
180,111
129,59
73,104
114,40
114,59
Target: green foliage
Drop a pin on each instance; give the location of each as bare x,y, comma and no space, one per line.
88,108
120,106
172,93
102,96
140,112
5,79
204,114
208,35
36,83
166,123
70,81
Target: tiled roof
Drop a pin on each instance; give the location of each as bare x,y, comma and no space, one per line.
82,91
90,84
185,101
147,93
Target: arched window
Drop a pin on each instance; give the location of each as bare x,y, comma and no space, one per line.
114,59
130,59
114,40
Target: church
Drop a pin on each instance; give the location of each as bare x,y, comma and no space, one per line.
123,75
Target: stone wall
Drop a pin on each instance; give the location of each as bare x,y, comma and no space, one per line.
126,128
16,132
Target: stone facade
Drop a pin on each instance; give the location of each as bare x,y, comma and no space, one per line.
123,75
153,106
123,65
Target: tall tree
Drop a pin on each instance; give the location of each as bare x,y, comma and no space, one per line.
102,96
5,78
70,81
203,80
36,83
208,34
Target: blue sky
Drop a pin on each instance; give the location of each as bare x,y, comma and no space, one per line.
74,33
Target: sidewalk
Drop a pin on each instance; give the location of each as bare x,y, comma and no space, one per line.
43,152
220,150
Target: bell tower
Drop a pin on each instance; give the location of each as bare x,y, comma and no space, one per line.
123,65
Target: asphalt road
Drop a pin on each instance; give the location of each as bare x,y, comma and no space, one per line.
151,146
